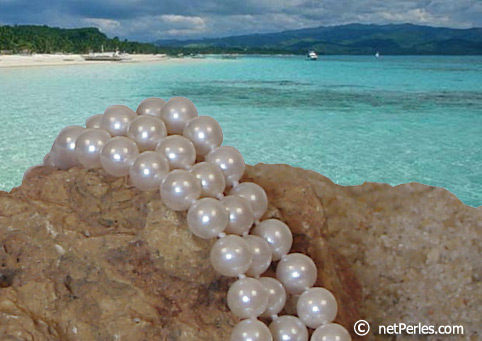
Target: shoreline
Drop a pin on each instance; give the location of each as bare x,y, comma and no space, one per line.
34,60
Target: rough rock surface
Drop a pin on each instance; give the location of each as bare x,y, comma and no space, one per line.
84,256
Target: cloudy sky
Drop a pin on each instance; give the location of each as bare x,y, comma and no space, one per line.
149,20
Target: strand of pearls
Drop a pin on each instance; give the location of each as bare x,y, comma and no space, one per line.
158,147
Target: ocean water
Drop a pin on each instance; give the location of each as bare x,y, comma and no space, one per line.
353,119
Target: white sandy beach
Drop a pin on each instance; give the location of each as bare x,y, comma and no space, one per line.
7,61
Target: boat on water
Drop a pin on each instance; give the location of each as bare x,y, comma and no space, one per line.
311,55
377,55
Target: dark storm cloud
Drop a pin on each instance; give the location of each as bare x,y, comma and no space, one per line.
161,19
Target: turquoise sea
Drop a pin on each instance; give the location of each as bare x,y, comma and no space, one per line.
353,119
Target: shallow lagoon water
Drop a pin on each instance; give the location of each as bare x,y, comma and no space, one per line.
352,119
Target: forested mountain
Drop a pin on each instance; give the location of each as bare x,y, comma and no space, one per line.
351,39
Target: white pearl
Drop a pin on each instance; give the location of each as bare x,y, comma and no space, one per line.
297,272
179,189
251,330
230,160
178,150
277,234
288,328
241,215
211,179
261,255
116,120
276,296
205,133
176,112
331,332
151,106
148,170
207,218
147,131
63,149
230,256
93,121
255,195
88,146
118,155
316,306
247,298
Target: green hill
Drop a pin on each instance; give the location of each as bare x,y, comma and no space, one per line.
44,39
349,39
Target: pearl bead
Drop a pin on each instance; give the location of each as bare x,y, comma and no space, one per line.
297,272
93,121
255,195
178,150
331,332
205,133
88,146
288,328
147,131
151,106
63,149
207,218
241,215
211,179
179,189
277,234
261,255
251,330
116,120
276,296
148,170
231,256
118,155
247,298
230,160
316,306
176,112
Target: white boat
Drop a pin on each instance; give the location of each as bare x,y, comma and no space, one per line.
312,55
377,55
106,56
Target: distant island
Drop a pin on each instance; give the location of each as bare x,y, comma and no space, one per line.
353,39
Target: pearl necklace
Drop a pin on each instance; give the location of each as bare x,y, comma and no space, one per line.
158,147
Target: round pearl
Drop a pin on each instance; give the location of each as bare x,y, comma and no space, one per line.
118,155
277,234
176,112
178,150
151,106
297,272
116,120
230,160
241,215
93,121
63,149
148,170
205,133
88,146
261,255
316,306
179,189
251,330
288,328
231,256
331,332
147,131
211,179
276,296
247,298
255,195
207,218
